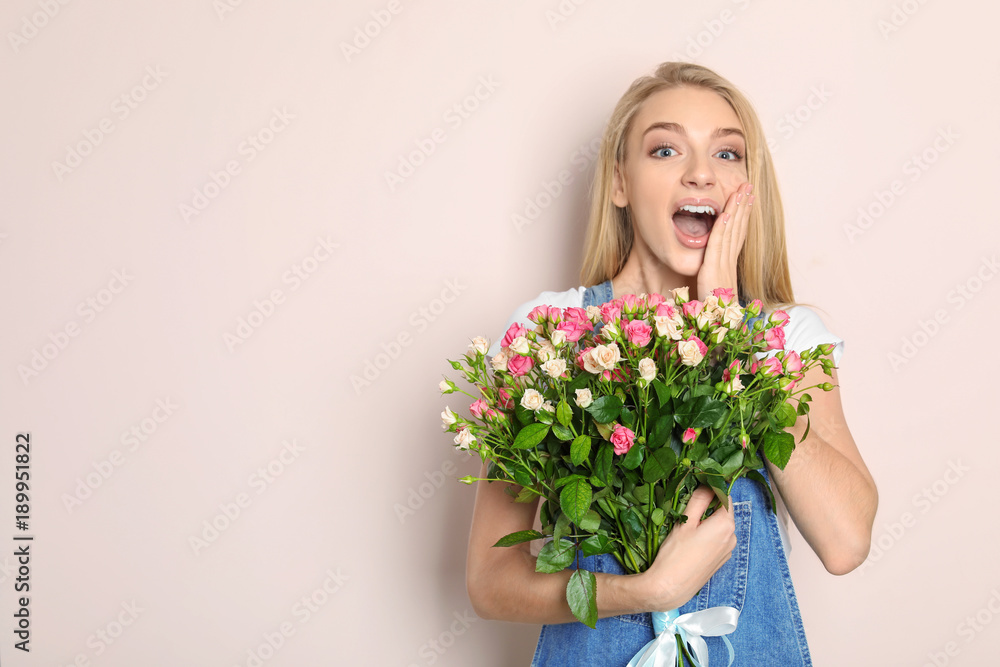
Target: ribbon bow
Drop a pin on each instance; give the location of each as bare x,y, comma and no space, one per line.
662,651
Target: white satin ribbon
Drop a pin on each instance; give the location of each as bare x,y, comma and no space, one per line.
662,651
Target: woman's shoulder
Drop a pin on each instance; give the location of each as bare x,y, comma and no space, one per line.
805,329
571,298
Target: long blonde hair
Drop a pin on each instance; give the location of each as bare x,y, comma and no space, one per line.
762,267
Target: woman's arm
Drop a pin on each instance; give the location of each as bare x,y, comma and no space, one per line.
503,585
826,486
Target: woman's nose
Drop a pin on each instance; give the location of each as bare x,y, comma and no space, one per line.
699,172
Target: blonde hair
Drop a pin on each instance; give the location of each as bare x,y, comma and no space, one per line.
762,267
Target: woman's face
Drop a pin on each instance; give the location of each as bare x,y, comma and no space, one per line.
685,147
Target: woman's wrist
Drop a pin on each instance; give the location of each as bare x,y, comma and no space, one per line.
632,594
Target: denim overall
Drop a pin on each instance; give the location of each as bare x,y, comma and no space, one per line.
755,580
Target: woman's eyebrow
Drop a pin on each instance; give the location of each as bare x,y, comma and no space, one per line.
677,127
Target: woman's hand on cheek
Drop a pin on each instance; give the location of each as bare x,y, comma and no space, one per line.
718,268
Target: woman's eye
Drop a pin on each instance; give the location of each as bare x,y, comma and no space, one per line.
658,151
733,155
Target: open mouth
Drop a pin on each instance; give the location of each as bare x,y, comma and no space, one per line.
694,223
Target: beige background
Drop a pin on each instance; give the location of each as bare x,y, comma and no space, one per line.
161,103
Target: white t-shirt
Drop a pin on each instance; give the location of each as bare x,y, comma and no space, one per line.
803,330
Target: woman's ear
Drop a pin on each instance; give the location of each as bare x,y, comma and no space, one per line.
618,195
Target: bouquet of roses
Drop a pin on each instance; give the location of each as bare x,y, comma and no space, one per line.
614,415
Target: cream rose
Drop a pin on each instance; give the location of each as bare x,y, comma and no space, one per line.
690,351
558,337
666,326
532,399
479,345
546,351
448,418
606,356
647,369
520,345
732,316
548,407
554,368
594,314
464,438
584,397
499,360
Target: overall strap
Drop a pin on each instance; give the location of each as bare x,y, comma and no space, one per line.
599,294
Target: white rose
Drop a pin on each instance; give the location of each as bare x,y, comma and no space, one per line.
732,315
444,386
554,368
734,385
593,314
719,333
589,363
520,345
647,369
558,337
584,397
499,360
680,294
479,345
606,356
448,418
703,319
464,438
610,331
546,351
548,407
690,352
532,399
666,326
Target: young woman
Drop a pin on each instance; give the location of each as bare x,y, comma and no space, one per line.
679,141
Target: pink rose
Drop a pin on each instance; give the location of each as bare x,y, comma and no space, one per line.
583,359
666,310
733,369
513,332
689,436
578,315
572,329
519,365
654,300
538,313
753,367
623,439
775,338
611,311
792,362
630,303
555,314
638,332
778,317
692,308
505,401
770,366
725,295
477,408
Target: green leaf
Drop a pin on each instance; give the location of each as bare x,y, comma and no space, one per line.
523,414
575,499
605,409
633,459
732,462
562,527
633,524
658,517
700,412
627,418
555,556
517,538
591,521
786,415
778,447
661,431
597,544
579,382
581,593
562,432
523,476
603,463
530,435
663,392
564,413
526,495
579,451
661,462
